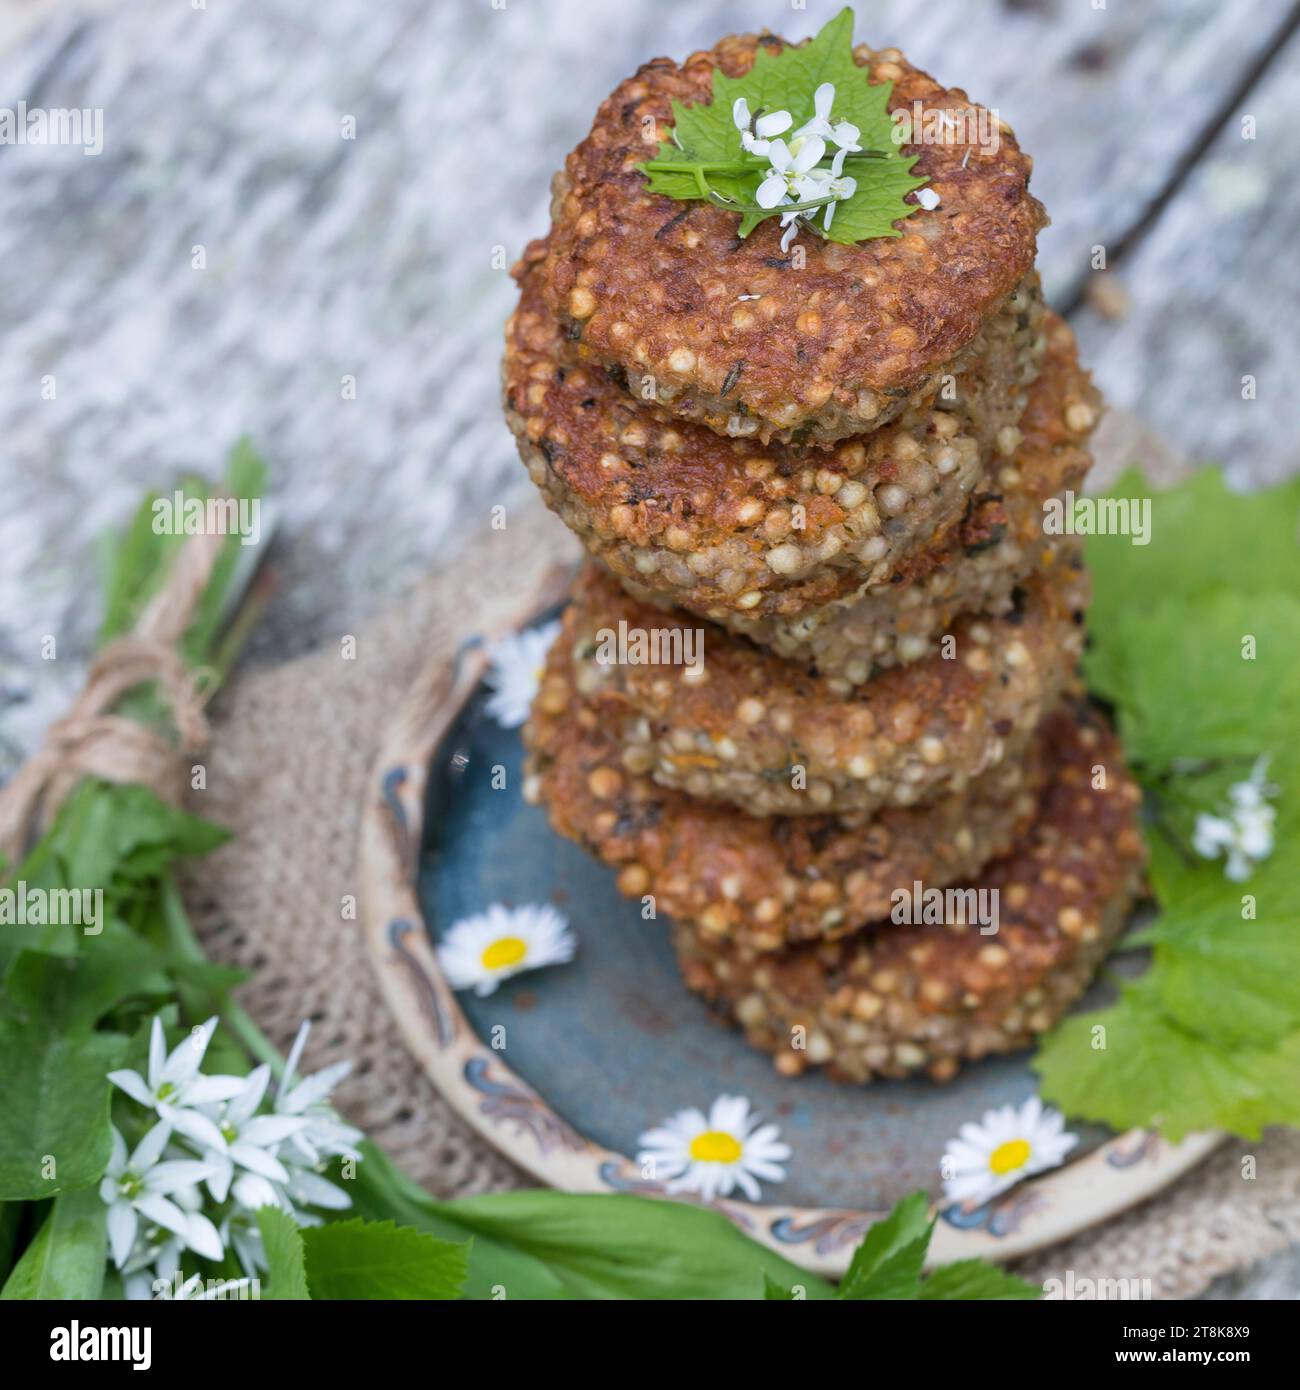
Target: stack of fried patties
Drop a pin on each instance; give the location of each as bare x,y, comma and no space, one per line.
834,466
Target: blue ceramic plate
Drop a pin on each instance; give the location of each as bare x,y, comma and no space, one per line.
564,1067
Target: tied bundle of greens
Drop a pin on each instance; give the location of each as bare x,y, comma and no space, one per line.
1195,640
130,994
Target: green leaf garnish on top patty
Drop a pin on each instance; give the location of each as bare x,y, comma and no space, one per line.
803,136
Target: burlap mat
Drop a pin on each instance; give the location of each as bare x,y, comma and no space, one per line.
290,763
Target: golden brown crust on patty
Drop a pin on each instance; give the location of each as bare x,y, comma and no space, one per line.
772,738
731,525
896,999
978,566
762,883
837,347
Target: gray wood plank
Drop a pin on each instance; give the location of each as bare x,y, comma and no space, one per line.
1214,290
373,257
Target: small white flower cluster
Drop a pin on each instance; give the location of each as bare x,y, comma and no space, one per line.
222,1134
1245,833
796,174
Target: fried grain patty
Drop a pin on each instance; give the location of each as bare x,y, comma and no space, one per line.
731,526
753,729
731,332
980,566
761,883
897,999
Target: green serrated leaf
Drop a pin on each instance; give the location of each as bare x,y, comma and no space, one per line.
892,1248
976,1279
286,1279
1152,1072
704,134
379,1259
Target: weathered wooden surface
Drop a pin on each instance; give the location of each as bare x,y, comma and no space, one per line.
1215,287
373,257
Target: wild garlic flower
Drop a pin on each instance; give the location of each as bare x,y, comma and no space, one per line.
174,1088
250,1139
140,1185
1244,834
226,1137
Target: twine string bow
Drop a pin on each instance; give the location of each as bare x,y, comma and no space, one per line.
91,741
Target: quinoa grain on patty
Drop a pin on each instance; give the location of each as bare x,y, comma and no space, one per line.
980,567
747,727
894,1000
732,526
735,336
760,883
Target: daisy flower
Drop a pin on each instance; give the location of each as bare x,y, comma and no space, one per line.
479,952
1006,1146
715,1154
517,663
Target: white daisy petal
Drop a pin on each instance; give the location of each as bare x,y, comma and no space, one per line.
479,952
515,673
1008,1144
713,1156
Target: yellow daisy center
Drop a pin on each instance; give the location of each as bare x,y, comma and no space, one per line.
505,951
1006,1158
715,1146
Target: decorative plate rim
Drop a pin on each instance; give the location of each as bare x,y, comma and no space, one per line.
518,1122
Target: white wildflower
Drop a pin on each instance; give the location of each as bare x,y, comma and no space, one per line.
174,1086
517,664
755,135
714,1155
1244,835
1007,1145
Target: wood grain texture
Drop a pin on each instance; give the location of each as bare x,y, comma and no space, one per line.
1216,298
